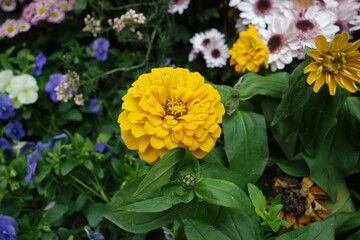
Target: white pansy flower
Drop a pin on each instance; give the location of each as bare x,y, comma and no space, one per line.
24,88
178,6
5,78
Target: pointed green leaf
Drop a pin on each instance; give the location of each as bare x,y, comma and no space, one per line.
246,143
224,193
238,225
257,197
297,94
140,222
160,174
321,230
273,85
196,229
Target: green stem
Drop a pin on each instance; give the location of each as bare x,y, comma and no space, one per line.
89,188
125,69
136,5
99,187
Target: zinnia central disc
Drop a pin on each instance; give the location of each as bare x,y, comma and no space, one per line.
175,108
334,62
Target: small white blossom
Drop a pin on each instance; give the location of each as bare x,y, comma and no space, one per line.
5,78
24,89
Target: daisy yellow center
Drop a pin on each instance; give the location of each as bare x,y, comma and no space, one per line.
333,62
175,108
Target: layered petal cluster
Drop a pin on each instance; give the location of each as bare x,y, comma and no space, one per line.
337,63
249,52
170,108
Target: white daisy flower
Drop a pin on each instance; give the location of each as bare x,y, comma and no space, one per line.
311,22
201,40
326,4
178,6
216,54
193,55
281,41
24,89
235,3
5,78
239,26
355,24
258,12
346,12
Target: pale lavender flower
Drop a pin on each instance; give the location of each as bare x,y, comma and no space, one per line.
41,12
29,12
9,28
8,5
102,147
101,47
93,234
56,15
50,144
23,25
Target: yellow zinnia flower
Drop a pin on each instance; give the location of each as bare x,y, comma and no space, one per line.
335,64
170,108
249,51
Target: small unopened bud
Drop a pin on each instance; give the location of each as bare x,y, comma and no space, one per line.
188,181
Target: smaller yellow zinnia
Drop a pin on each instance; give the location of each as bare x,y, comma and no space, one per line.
249,51
337,63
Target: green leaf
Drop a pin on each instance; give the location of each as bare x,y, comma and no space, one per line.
140,222
257,197
160,174
157,200
274,210
321,230
238,225
54,213
196,229
210,170
223,193
200,210
73,115
346,221
354,236
246,143
67,165
344,204
297,95
273,85
216,156
337,158
317,118
225,93
80,201
95,214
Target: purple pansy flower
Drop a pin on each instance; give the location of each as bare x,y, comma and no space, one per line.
54,81
31,163
27,147
94,105
7,228
53,140
6,109
101,47
5,144
93,234
40,61
14,130
36,154
102,147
